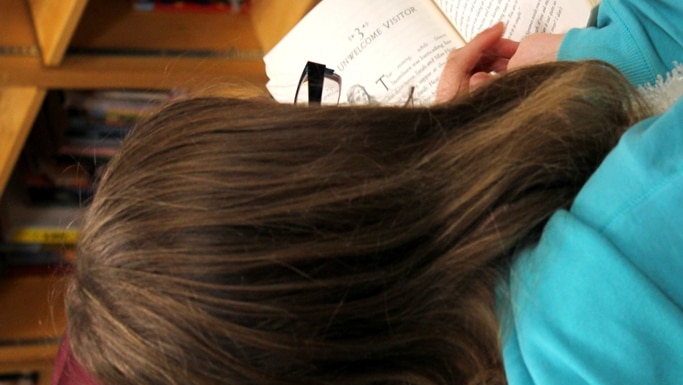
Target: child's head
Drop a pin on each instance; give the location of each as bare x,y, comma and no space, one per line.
244,242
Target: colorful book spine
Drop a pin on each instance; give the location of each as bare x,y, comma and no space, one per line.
225,6
19,379
55,236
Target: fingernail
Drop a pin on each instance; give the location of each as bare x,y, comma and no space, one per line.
497,25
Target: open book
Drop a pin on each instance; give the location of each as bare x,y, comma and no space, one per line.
385,49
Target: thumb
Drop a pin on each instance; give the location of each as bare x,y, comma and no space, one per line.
479,79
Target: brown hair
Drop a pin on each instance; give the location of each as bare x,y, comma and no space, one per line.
250,243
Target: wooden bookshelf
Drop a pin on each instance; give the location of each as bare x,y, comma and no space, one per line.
116,46
31,323
115,24
81,44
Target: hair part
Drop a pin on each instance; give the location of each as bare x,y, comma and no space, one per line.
250,243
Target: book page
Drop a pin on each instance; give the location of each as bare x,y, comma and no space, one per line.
521,17
380,48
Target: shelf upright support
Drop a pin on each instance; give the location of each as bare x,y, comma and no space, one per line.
55,22
18,109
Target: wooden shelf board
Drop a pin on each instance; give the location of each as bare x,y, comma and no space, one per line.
27,358
85,71
31,312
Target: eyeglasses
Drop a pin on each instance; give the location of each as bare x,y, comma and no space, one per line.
318,85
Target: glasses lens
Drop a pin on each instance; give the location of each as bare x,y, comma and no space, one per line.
302,92
330,92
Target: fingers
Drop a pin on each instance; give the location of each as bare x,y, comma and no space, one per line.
486,41
497,57
486,52
504,48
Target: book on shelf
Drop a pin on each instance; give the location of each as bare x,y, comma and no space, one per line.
32,258
116,107
44,224
229,6
73,138
395,49
97,121
29,378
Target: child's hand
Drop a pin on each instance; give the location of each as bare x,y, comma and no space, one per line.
473,64
535,49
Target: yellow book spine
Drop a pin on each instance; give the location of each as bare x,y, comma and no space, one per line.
46,236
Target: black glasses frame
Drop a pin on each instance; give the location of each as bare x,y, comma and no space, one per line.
315,74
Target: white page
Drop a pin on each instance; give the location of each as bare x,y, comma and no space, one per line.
521,17
384,46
